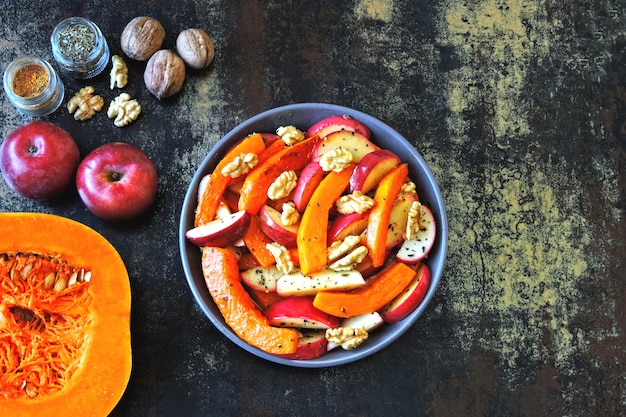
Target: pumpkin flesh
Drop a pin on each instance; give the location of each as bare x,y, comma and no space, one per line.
64,318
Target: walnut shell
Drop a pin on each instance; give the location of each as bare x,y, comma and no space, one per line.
164,74
195,47
142,37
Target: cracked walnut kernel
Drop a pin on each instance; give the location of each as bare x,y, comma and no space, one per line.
85,104
124,110
119,72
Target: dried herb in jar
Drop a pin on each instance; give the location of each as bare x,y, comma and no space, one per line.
76,41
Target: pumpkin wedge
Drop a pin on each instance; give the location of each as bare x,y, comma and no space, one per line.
221,273
312,234
378,224
213,193
380,289
59,278
254,188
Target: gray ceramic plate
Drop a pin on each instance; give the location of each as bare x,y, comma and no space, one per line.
302,116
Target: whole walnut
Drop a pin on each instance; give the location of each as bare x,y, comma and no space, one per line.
165,73
142,37
195,47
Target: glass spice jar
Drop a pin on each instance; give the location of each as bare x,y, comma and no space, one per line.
79,48
33,86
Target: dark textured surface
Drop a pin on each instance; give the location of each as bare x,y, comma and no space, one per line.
519,107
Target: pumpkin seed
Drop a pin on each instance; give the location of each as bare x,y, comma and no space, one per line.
60,284
48,281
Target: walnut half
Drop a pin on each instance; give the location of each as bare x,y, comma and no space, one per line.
85,104
124,110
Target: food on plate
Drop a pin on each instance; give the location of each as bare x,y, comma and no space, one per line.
299,312
272,224
409,298
65,318
416,248
332,124
372,168
222,231
117,181
311,344
221,273
329,212
38,160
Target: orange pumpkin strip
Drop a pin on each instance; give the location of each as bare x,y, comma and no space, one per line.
380,290
212,195
313,231
256,241
221,274
378,223
258,181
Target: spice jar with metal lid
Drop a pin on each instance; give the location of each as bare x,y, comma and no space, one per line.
79,47
33,86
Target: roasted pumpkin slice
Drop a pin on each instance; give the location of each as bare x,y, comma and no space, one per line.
64,318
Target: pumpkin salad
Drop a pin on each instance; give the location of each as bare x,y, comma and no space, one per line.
315,242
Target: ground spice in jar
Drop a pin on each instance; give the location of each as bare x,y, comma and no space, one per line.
30,80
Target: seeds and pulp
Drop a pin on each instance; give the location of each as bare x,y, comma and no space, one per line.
44,315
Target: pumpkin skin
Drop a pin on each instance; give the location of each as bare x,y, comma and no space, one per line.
101,379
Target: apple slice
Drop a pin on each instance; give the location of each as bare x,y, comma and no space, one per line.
408,300
367,268
308,180
398,219
299,312
262,279
347,224
358,144
371,169
269,222
325,280
220,232
336,123
311,344
415,250
368,321
269,138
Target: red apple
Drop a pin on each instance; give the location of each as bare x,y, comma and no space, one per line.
368,321
355,142
271,225
347,224
299,312
269,138
261,279
117,181
38,160
398,219
311,344
336,123
408,300
371,169
308,180
415,250
366,268
223,231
